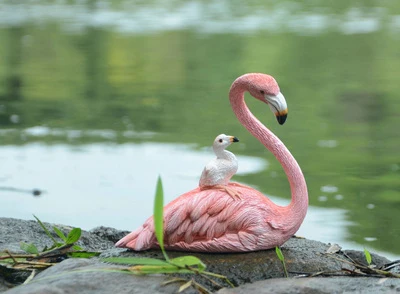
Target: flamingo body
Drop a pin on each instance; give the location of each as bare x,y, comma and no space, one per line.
211,220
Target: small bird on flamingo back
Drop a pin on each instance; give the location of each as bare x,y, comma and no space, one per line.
219,171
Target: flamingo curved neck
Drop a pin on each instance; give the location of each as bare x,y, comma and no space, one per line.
297,209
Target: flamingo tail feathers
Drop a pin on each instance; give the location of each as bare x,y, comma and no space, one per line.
141,239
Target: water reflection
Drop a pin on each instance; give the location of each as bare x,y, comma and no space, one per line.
208,17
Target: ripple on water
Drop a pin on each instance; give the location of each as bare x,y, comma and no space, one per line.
327,143
339,197
322,198
329,189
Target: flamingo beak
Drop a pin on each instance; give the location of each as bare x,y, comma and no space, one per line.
278,106
233,139
281,118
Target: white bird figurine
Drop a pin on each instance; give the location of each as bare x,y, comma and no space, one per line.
218,172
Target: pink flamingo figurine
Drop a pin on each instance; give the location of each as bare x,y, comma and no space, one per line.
211,220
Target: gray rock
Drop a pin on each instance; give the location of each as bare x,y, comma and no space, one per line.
393,267
86,276
331,285
110,234
13,231
302,257
249,270
3,284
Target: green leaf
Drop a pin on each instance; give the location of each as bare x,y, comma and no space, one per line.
29,248
282,259
154,269
83,254
184,261
45,229
367,256
73,236
159,216
135,260
279,254
77,248
60,234
55,245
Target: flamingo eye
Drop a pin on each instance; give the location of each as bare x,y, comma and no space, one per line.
262,92
220,140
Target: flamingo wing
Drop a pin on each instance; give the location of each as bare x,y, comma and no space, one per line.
208,220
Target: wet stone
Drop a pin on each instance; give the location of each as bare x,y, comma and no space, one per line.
252,272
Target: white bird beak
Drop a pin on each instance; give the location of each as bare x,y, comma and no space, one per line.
233,139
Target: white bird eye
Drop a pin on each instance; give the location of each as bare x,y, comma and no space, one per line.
220,140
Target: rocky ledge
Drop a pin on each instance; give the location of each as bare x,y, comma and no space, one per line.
311,268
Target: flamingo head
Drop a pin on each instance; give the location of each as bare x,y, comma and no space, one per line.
222,141
265,88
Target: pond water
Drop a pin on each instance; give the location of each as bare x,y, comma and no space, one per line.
97,98
94,180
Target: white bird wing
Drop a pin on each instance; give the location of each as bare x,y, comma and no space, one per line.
211,174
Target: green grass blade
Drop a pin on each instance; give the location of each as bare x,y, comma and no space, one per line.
159,216
45,229
136,260
77,248
367,256
279,254
74,235
85,254
184,261
29,248
60,234
282,259
154,269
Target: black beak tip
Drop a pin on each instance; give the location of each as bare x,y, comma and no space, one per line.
235,139
281,118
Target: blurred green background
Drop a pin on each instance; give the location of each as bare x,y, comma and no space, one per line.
112,73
